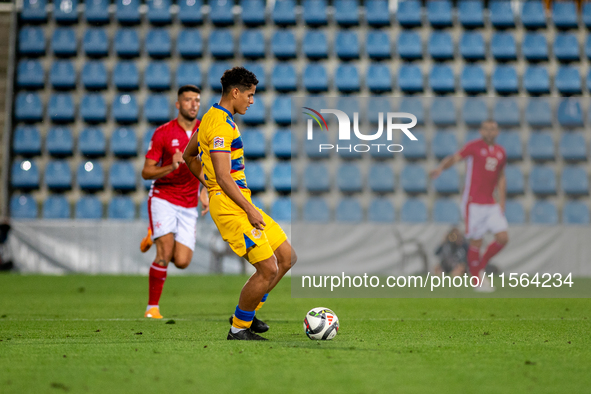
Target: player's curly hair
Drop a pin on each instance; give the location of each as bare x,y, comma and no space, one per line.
238,77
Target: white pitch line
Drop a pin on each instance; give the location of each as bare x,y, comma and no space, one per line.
394,319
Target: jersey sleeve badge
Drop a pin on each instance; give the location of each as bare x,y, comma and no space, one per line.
218,142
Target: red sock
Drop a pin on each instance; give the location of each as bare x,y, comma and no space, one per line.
157,278
492,249
473,260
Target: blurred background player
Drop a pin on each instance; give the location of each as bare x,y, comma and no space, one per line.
485,163
216,157
452,254
174,196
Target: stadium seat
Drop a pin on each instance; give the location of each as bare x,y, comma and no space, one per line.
541,146
125,109
30,74
88,208
92,142
511,142
94,75
26,141
254,144
589,80
416,150
256,113
63,42
58,175
514,212
61,108
347,45
253,12
380,210
439,13
93,108
573,146
281,209
586,14
446,210
216,70
95,11
159,12
189,44
410,78
126,76
158,43
121,208
472,135
283,45
284,78
570,113
349,210
251,44
413,179
123,142
157,76
281,110
542,180
470,14
221,12
544,212
414,211
23,206
538,113
564,15
444,144
505,80
281,145
568,80
409,46
188,73
122,176
441,46
472,46
127,43
443,112
502,47
56,207
255,177
284,13
90,176
575,181
514,177
473,79
281,178
316,178
315,12
377,13
378,45
448,182
349,178
128,12
378,78
375,105
33,11
381,178
190,12
157,109
312,146
315,78
28,107
536,80
316,210
96,43
533,15
347,78
409,13
441,79
535,47
59,142
346,12
144,214
474,111
575,212
566,47
506,112
315,45
501,14
146,139
31,41
24,174
259,71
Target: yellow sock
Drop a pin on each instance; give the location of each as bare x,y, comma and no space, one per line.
260,305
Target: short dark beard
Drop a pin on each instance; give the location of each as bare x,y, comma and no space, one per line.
187,117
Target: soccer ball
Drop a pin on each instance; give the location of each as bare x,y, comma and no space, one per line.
321,324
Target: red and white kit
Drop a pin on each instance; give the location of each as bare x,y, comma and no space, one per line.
173,199
479,208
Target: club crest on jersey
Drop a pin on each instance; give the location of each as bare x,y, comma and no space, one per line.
175,142
499,155
256,233
218,142
231,123
483,152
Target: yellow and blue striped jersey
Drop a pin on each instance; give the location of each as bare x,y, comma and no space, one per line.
219,133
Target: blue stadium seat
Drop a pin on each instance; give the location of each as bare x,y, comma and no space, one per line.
122,176
126,76
315,12
575,212
281,110
378,79
251,44
381,178
316,178
377,13
573,146
544,212
349,210
414,211
147,138
284,13
535,47
570,113
259,71
26,141
94,75
439,13
281,178
60,142
221,44
501,14
346,12
128,11
63,42
448,182
575,181
589,80
125,109
188,73
378,45
506,112
121,208
503,47
409,45
24,174
541,146
56,207
380,210
123,142
281,210
472,135
473,79
157,109
474,111
190,12
315,78
349,178
281,145
157,76
511,142
216,70
514,212
413,178
96,43
189,44
28,107
90,176
93,108
533,15
256,113
30,74
409,13
221,12
441,46
470,13
538,113
33,11
158,43
536,80
542,180
443,112
568,80
284,78
564,15
315,45
586,14
375,105
159,12
92,142
31,41
472,46
444,144
255,146
446,210
441,79
347,45
347,78
88,207
58,175
566,47
255,177
283,45
514,177
316,210
312,146
61,108
96,11
127,43
410,78
253,12
416,150
23,206
144,214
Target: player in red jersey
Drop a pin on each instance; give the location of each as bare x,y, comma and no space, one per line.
174,196
485,170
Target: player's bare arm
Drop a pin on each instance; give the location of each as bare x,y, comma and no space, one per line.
191,158
152,170
445,164
204,198
502,186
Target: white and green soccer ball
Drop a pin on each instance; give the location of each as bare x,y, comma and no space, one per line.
321,324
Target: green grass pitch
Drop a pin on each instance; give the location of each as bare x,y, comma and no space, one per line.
86,334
